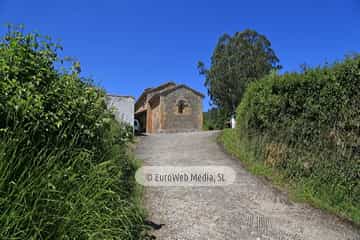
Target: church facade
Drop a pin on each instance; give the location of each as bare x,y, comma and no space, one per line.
170,108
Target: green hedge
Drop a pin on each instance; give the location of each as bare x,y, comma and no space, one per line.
306,103
311,120
65,172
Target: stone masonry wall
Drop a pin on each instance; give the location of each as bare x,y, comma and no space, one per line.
190,119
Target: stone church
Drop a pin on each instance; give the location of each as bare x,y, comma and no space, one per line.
169,108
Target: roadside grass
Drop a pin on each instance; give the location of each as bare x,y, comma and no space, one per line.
310,189
66,170
68,193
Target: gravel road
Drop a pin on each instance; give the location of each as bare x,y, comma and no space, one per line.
248,209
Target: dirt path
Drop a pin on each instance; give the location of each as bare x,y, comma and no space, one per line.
247,209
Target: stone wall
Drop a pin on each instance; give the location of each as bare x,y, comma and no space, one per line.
155,123
191,117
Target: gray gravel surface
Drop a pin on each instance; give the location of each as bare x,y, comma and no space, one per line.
248,209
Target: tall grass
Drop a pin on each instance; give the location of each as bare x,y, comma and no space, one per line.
65,168
317,176
56,192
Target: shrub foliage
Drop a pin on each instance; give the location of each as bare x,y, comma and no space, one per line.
64,169
314,118
215,118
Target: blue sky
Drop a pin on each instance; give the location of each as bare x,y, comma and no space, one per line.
127,46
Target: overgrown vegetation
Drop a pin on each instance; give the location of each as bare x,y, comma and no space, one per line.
65,172
304,129
215,119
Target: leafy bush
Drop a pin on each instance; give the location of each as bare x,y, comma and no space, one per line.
214,119
312,103
314,118
65,172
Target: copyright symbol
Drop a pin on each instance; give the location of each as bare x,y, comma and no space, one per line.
149,177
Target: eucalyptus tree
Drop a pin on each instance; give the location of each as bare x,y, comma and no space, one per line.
236,61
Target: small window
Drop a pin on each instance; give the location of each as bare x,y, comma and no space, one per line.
181,106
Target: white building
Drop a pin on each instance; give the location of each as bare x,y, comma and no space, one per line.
123,108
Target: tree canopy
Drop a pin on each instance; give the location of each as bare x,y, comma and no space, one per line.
236,61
